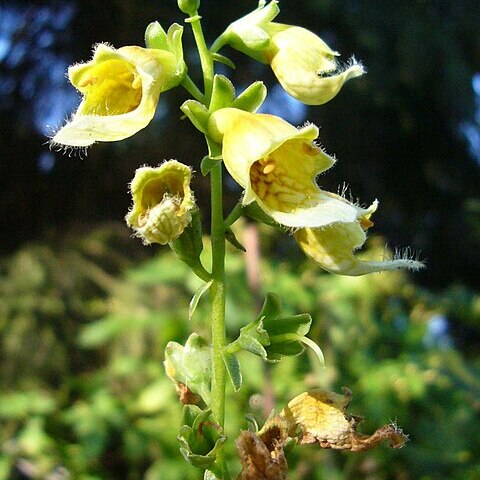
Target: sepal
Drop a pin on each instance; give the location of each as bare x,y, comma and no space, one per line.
248,34
189,245
200,436
197,113
190,365
251,98
170,41
273,336
223,93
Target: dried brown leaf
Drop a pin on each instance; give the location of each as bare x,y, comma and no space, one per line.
320,416
262,454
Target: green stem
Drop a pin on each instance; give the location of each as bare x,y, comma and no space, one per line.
218,43
219,374
192,89
206,59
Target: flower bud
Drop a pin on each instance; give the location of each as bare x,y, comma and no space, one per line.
189,7
162,202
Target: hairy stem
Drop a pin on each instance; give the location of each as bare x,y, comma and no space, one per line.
217,290
206,59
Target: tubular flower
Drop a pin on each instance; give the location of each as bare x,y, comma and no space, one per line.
276,164
303,63
333,247
162,202
120,91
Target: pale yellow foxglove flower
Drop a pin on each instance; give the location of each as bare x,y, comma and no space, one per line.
162,202
277,164
333,246
120,91
303,63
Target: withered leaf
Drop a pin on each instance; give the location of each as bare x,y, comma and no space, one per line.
320,416
261,454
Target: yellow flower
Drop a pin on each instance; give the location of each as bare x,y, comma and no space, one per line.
162,202
303,63
120,91
276,164
333,247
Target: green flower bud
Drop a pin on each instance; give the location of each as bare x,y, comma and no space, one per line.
189,7
162,202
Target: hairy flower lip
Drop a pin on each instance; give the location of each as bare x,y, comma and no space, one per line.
334,246
162,202
142,75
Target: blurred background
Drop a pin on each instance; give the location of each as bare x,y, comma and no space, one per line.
86,311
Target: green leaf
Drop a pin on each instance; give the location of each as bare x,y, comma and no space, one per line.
208,164
197,113
233,369
223,93
217,57
196,298
251,98
232,239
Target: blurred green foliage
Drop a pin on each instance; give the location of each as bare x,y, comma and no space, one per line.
83,394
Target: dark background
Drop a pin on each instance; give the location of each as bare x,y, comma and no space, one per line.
86,311
406,133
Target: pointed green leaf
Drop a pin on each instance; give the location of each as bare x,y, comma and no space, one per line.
233,370
196,298
232,239
222,59
251,98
